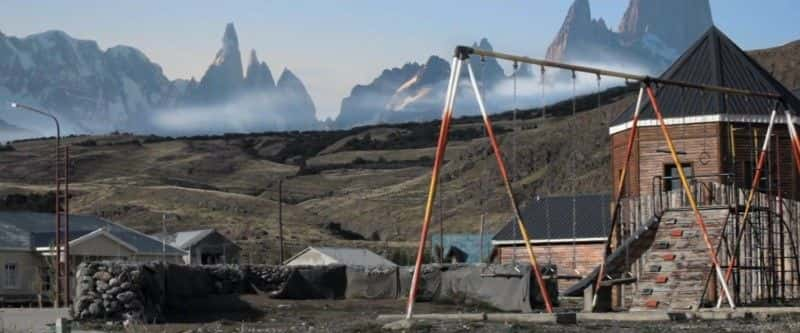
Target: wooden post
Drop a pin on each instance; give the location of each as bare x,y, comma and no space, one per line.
280,218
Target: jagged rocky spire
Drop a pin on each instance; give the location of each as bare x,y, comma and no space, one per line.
258,77
224,76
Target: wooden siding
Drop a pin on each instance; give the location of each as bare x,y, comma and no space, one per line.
708,151
587,256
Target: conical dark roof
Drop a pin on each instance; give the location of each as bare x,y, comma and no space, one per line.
713,60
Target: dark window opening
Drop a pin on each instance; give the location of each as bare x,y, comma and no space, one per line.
211,259
672,180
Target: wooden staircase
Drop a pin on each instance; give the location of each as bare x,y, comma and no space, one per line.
676,267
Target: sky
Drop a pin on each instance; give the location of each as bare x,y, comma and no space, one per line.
334,45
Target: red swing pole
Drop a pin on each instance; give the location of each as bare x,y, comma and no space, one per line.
504,173
750,196
618,193
689,195
447,114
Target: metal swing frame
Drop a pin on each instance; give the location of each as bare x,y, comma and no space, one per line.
795,143
461,57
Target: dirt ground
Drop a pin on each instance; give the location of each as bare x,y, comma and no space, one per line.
252,313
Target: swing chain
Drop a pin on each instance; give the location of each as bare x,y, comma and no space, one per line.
574,171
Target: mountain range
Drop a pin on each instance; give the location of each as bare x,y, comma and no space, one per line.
414,92
97,91
121,89
651,35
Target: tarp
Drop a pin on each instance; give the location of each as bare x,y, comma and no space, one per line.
429,281
372,282
314,282
502,287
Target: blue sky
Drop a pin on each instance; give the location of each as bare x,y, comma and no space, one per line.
333,45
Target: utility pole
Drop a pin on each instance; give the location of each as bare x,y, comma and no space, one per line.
483,221
164,239
280,216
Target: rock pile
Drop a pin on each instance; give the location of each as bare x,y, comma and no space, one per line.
118,291
126,291
266,278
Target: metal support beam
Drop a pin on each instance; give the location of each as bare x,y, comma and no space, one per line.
748,204
618,195
504,173
447,113
466,50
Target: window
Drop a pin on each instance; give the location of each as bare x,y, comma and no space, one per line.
672,180
10,274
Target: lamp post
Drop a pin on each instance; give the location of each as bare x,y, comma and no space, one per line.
59,232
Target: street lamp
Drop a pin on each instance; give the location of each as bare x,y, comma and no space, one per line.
16,105
59,239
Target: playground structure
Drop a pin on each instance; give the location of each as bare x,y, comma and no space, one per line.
722,237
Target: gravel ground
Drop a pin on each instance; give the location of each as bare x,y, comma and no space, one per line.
253,313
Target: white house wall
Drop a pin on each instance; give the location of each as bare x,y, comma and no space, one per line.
28,264
100,246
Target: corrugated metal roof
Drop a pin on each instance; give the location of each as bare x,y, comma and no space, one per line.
28,230
349,256
185,239
551,218
713,60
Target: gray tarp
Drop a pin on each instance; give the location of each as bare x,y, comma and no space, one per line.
503,287
372,282
314,282
429,282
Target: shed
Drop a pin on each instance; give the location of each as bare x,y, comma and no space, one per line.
204,247
323,256
572,242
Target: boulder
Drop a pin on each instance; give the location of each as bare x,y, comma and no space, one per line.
96,309
125,297
101,286
102,276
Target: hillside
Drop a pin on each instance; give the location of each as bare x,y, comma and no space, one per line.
783,62
339,186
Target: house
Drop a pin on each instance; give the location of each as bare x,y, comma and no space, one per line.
204,247
716,134
26,249
461,248
566,231
718,138
323,256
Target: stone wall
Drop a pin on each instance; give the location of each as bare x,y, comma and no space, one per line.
145,292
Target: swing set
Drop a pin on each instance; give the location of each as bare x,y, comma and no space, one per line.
648,84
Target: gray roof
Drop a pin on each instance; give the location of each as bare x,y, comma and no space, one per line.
551,218
28,230
349,256
186,239
714,60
